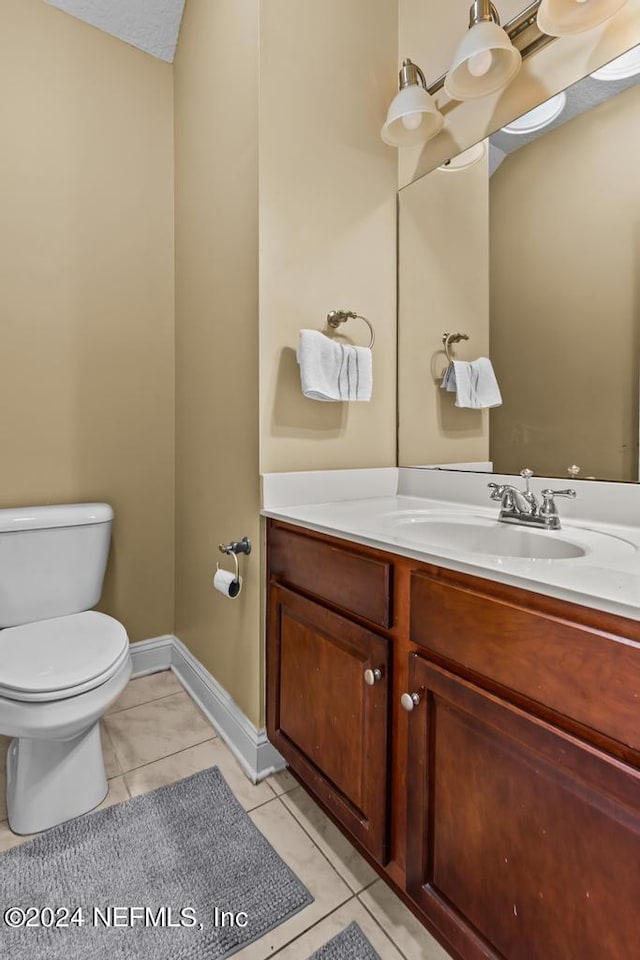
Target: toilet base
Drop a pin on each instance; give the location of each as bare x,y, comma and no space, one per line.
50,781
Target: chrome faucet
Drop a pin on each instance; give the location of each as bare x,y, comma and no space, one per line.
521,506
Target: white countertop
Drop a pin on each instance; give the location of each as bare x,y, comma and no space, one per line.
606,578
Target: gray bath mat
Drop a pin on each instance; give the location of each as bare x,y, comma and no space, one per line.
351,944
188,846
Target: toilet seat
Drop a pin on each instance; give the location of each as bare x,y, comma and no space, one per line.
60,658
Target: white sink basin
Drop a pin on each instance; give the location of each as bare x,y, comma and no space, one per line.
480,536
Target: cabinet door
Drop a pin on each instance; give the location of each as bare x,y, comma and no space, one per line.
524,841
322,716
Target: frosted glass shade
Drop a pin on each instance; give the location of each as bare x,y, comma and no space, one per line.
485,61
541,116
413,118
465,159
561,18
627,65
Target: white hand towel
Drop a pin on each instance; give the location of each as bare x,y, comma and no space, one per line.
330,370
475,384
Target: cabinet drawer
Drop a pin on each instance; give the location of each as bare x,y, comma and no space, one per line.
345,578
579,672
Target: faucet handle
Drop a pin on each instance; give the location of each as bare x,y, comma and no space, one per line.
526,475
497,490
550,494
548,508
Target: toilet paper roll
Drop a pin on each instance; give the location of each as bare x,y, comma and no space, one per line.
226,583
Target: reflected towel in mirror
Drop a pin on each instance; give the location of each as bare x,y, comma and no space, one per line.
330,370
474,383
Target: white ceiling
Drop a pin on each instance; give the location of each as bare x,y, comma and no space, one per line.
150,25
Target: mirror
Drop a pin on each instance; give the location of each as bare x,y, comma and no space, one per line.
530,245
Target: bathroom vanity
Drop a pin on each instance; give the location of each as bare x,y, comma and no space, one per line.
477,741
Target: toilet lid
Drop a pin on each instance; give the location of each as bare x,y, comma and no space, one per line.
58,654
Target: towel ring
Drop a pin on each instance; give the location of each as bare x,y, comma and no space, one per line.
450,338
336,317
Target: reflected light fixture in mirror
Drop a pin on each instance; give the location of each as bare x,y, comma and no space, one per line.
539,117
561,18
413,116
467,159
486,60
628,65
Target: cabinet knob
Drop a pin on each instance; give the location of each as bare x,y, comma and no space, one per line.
372,676
409,700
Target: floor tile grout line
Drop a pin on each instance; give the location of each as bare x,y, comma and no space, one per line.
314,842
284,792
146,703
373,916
177,753
370,884
166,756
320,851
316,923
355,892
143,703
262,803
107,733
270,787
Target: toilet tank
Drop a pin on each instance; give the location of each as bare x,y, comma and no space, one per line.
52,560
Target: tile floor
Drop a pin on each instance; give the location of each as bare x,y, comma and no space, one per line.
154,734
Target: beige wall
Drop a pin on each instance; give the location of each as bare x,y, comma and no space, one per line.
322,230
565,246
429,34
86,291
443,284
327,222
217,473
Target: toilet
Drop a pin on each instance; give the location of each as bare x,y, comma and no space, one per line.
61,663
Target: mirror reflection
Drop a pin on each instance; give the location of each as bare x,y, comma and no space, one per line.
529,246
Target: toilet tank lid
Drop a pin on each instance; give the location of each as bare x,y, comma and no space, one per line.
14,519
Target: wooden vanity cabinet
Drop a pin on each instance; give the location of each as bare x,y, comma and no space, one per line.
504,807
326,720
525,840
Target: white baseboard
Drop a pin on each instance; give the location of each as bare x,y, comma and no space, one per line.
151,656
250,746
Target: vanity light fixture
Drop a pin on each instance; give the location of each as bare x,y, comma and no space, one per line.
541,116
628,65
489,58
413,116
486,60
561,18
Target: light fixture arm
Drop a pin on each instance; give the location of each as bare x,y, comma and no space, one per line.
411,74
481,11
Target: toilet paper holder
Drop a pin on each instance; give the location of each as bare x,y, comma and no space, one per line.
236,547
233,549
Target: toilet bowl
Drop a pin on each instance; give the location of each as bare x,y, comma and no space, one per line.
57,678
61,671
